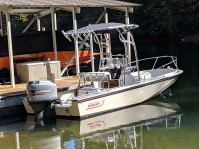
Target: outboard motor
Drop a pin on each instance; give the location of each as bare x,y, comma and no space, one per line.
41,95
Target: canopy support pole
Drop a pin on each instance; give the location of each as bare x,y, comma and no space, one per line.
54,32
128,37
1,19
38,24
76,42
92,57
9,36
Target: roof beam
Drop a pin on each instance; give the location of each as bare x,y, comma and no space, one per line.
101,16
4,8
29,25
44,12
33,8
41,10
77,9
23,11
129,9
40,14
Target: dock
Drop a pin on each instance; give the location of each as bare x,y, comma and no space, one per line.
20,89
11,98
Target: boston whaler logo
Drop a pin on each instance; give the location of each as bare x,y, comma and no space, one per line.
96,124
95,104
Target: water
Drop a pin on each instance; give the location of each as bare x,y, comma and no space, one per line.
169,122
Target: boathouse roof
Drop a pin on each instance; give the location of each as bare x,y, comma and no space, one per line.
40,8
34,6
68,3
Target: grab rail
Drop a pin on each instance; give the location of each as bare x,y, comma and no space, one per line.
173,61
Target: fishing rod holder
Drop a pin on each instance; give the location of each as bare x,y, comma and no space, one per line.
123,39
77,36
66,35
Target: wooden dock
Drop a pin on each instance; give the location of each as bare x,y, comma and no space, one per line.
20,89
11,98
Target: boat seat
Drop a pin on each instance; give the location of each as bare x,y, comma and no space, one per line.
87,90
95,76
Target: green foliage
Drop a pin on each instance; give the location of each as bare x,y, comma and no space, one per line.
156,18
166,17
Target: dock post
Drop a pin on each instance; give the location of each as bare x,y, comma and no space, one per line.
54,32
9,36
128,37
17,140
38,24
1,19
91,49
75,41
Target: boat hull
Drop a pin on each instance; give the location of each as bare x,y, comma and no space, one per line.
121,98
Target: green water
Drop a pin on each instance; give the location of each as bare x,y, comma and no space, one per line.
171,122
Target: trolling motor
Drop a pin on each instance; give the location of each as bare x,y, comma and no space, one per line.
41,95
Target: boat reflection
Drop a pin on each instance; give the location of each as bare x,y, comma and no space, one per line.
119,129
136,114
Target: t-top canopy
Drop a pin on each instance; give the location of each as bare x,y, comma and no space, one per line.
102,28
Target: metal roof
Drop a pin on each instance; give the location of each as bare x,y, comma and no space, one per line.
65,3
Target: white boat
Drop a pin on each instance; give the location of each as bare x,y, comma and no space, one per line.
117,84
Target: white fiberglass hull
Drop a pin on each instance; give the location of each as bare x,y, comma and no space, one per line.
116,98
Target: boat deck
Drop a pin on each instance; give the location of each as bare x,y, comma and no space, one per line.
64,83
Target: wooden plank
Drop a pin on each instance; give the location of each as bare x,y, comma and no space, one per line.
20,89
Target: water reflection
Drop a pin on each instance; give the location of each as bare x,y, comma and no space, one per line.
120,129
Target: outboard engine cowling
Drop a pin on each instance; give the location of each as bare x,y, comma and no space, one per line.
41,91
40,96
